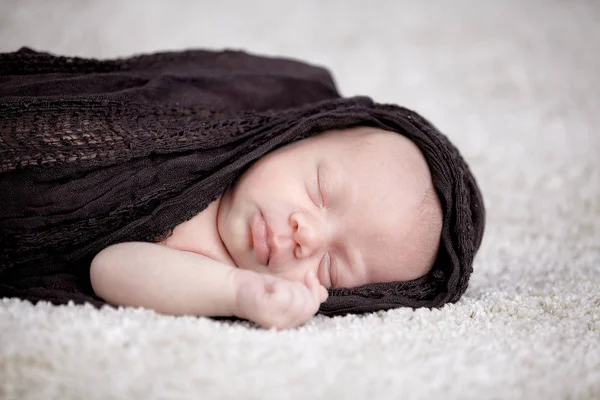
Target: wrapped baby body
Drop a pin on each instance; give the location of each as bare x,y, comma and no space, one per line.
99,152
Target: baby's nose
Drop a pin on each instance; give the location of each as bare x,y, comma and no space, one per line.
307,234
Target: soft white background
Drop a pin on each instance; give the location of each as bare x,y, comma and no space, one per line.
515,84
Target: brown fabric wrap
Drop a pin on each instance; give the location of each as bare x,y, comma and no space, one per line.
95,152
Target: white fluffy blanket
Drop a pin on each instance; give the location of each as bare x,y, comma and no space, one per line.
516,85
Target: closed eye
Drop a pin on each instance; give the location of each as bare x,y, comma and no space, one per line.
333,273
320,188
326,261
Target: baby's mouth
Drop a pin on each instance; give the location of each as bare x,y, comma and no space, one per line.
260,239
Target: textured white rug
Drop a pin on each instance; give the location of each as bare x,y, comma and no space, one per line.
514,84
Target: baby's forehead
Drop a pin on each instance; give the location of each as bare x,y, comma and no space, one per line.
362,152
369,141
381,152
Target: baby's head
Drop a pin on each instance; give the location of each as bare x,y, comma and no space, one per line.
357,206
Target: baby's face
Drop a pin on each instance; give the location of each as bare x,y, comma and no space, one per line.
356,206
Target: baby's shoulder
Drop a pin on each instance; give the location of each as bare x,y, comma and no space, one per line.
200,235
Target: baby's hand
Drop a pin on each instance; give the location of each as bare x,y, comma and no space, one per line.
274,302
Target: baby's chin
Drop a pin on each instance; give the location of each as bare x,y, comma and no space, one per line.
245,261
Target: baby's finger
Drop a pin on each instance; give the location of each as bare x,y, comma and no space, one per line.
305,307
319,291
313,284
323,294
300,306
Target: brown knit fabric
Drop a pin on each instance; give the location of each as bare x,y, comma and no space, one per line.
94,153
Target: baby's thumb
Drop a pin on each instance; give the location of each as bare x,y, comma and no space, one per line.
323,293
318,290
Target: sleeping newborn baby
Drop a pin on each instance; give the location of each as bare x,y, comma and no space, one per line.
340,209
222,183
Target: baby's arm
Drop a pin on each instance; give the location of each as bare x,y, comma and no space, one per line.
177,282
167,280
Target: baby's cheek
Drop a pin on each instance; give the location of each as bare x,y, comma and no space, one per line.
295,273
